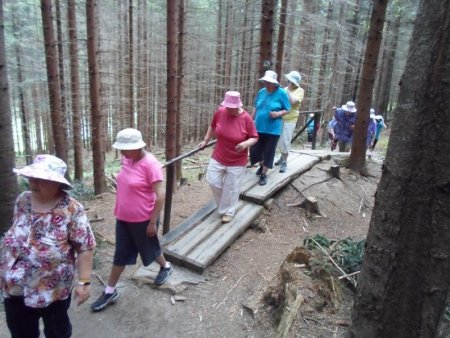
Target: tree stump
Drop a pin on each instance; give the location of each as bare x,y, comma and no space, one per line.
334,171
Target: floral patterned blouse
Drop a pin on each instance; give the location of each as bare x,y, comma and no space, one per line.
39,251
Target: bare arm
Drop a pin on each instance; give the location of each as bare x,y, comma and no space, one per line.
246,144
84,262
208,136
158,187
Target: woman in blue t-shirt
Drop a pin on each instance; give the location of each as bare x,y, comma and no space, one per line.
271,103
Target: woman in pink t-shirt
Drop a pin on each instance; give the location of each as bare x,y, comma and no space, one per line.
236,133
139,200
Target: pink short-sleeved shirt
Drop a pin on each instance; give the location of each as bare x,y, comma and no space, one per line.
135,197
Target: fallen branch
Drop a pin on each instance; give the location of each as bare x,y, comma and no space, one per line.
350,274
344,274
99,278
229,291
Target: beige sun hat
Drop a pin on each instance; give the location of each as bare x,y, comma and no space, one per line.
129,139
46,167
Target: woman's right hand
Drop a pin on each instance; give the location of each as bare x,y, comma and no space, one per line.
202,144
151,229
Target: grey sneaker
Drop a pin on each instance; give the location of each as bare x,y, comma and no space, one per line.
262,179
283,167
163,275
259,171
104,300
279,161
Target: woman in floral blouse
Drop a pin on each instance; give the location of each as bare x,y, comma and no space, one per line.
50,237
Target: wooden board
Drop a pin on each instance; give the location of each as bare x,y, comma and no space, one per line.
203,243
189,223
276,180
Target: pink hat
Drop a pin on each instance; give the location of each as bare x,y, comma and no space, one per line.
46,167
232,100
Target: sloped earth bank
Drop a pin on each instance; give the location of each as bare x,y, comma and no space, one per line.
213,305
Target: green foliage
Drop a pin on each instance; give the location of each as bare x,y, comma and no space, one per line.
347,253
82,192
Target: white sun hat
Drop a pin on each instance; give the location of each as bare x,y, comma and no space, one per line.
270,76
294,77
349,106
46,167
129,139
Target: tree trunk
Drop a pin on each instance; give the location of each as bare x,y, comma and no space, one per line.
358,154
21,92
265,47
228,47
98,153
324,63
219,62
404,280
51,61
172,65
131,66
386,78
307,48
180,75
351,60
281,36
7,153
64,113
75,90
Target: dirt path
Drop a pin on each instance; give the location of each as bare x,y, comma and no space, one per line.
214,308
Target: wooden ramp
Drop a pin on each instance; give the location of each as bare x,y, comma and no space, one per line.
201,238
298,163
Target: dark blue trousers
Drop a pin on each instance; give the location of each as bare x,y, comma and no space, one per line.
23,321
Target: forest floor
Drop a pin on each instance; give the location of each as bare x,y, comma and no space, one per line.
218,303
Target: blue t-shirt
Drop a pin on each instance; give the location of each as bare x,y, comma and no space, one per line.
265,103
379,127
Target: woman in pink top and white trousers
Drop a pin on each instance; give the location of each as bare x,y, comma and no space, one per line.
139,200
236,133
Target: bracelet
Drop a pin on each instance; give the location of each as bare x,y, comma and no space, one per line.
83,283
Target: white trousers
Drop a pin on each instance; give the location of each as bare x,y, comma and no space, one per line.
225,183
284,142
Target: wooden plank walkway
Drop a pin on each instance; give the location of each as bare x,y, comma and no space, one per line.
201,238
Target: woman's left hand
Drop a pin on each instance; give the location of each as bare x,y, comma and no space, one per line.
82,293
276,114
241,146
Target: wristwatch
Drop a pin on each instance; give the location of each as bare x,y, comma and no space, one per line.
82,283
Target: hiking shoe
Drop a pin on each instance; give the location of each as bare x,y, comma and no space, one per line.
262,179
283,167
259,171
163,275
279,161
226,219
104,300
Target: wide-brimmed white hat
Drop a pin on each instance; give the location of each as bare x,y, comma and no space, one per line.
129,139
294,77
349,106
232,100
46,167
270,76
